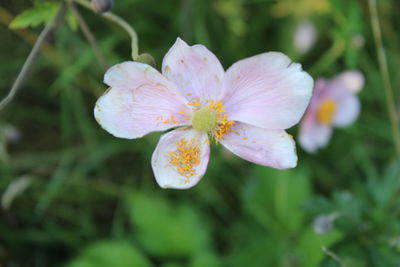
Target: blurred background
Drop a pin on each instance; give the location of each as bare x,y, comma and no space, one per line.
73,195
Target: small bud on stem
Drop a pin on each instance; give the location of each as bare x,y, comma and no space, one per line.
102,6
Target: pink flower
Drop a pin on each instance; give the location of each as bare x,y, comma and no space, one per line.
246,109
334,104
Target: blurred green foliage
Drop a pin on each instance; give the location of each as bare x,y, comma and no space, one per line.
75,196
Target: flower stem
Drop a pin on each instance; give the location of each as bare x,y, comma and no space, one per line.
330,56
122,23
88,34
383,67
32,55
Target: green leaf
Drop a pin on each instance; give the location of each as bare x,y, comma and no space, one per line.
166,229
274,197
40,13
310,246
72,21
205,258
109,253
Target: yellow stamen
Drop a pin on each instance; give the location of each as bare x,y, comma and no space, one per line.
326,111
211,117
223,124
186,157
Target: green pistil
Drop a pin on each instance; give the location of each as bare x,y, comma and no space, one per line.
204,120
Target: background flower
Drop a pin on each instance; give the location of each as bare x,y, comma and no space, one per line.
334,104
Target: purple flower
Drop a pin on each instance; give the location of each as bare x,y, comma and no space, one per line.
333,104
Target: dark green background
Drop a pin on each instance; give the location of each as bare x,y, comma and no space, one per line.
92,199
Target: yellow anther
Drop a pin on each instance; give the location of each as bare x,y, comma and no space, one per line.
211,117
326,111
186,157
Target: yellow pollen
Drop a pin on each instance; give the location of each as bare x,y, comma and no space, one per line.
211,117
326,111
186,157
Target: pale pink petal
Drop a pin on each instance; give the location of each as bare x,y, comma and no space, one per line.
140,101
194,69
313,135
166,174
347,111
272,148
351,80
267,90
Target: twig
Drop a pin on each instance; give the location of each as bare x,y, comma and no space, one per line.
88,34
32,55
383,67
333,256
122,23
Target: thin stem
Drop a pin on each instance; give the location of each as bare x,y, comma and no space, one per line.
333,256
32,55
334,52
383,67
122,23
89,35
128,29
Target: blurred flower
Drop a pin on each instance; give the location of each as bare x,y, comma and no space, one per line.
323,224
334,104
102,6
246,109
305,36
8,135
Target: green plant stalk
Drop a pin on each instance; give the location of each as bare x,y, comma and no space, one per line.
32,55
122,23
383,67
330,56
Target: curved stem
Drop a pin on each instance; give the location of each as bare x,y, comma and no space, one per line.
122,23
334,52
383,67
89,35
32,55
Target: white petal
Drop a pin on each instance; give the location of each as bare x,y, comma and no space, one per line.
166,174
347,111
314,135
141,101
195,70
305,36
351,80
272,148
267,90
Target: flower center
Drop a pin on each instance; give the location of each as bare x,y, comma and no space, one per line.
185,157
204,120
211,118
326,111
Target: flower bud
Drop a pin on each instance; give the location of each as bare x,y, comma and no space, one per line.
323,224
305,37
147,59
102,6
